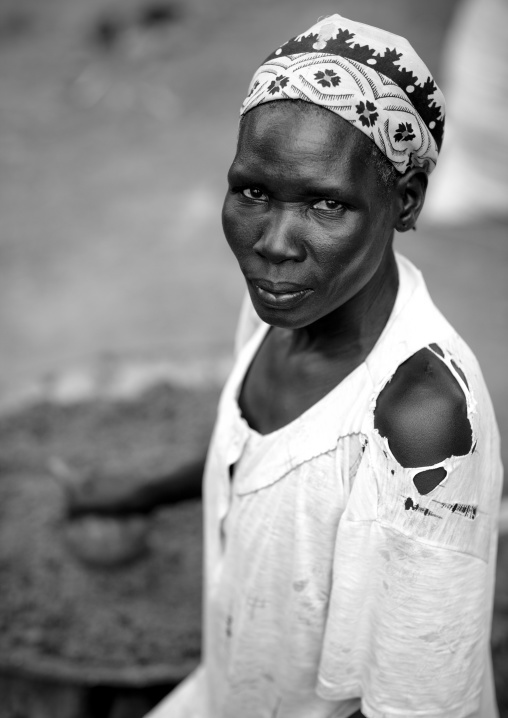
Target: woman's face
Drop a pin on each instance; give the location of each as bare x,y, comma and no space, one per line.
305,213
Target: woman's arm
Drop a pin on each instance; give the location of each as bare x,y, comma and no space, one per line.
112,495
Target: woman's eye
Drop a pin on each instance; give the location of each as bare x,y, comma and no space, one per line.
254,193
328,205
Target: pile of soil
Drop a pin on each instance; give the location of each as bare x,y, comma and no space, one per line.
137,622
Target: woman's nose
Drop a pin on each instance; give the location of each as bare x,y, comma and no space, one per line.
281,237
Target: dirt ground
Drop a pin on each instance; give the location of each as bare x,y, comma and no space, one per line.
99,616
99,598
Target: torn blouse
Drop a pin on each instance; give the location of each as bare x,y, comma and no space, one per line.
331,582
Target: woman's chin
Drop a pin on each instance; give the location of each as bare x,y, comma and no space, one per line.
285,318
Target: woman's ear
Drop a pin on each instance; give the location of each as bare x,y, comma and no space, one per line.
411,188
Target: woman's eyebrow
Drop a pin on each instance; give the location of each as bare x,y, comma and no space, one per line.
243,174
238,179
238,171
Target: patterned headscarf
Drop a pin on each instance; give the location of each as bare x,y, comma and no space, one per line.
370,77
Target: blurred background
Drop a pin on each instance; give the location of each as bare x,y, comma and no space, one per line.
118,122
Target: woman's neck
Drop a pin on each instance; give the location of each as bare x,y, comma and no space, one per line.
353,328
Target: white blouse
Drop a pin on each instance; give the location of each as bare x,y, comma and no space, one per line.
330,582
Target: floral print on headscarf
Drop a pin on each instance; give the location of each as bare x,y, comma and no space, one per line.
370,77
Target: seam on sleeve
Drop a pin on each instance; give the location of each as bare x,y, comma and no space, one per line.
426,542
460,710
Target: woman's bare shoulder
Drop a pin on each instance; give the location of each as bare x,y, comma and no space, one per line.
422,411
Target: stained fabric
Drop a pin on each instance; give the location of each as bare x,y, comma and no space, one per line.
372,78
331,583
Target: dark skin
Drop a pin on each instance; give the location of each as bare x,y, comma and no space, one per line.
107,496
305,210
423,399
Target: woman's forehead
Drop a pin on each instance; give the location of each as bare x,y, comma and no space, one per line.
293,134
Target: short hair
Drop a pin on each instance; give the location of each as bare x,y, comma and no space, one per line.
387,174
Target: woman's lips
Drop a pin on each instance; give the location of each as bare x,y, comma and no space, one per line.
279,295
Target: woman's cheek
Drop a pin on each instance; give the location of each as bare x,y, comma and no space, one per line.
226,216
240,228
230,224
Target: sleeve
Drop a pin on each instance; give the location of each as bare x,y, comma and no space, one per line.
410,607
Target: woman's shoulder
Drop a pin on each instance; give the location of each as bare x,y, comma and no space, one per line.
422,411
